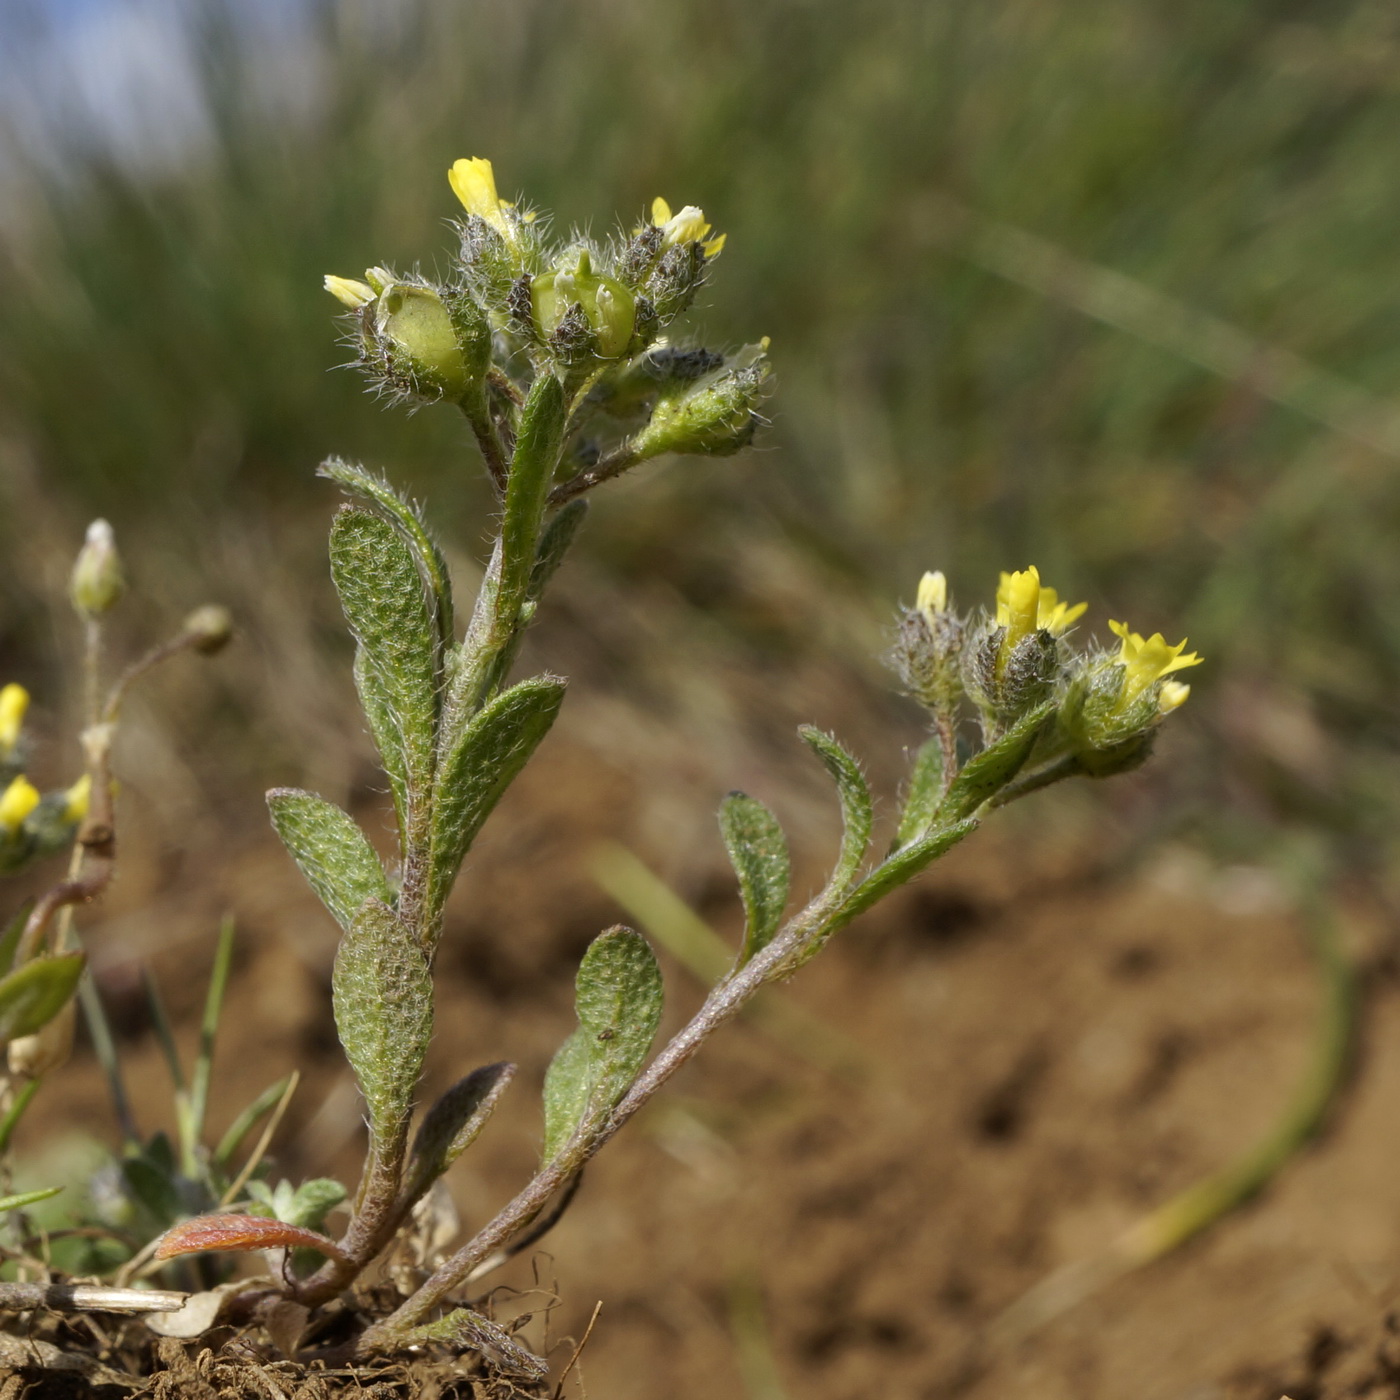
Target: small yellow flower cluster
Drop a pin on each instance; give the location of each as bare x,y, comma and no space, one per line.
1145,662
20,797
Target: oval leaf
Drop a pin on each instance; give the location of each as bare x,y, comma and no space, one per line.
451,1125
409,522
759,854
857,811
32,995
479,767
386,604
207,1234
618,997
382,995
330,850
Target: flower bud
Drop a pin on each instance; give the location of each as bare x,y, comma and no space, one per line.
97,583
32,1056
209,628
928,647
14,702
349,292
714,415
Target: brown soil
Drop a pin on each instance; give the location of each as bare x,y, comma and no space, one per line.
1005,1066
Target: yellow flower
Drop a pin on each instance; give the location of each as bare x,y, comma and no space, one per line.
1023,607
1145,662
76,799
474,183
18,801
348,291
932,597
14,701
688,226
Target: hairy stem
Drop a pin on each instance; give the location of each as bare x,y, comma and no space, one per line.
611,464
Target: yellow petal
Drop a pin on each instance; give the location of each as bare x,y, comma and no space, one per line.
474,183
349,292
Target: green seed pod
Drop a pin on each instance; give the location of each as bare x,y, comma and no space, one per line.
713,415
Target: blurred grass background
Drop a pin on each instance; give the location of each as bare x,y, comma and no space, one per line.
1108,286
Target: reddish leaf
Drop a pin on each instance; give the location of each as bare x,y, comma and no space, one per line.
233,1232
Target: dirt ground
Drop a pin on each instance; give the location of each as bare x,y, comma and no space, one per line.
990,1077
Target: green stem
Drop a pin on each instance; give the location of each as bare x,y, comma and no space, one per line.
15,1112
204,1061
106,1050
501,606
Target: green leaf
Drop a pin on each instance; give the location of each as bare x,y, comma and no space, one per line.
857,813
9,940
28,1198
554,545
384,731
243,1124
312,1201
467,1330
985,774
617,996
153,1189
537,449
759,855
386,605
32,995
924,794
451,1126
382,994
892,872
330,850
479,767
407,518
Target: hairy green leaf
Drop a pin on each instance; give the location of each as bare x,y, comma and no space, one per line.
480,766
9,940
330,850
892,872
857,813
554,545
410,524
33,994
451,1125
759,854
467,1330
925,791
386,605
383,728
382,994
617,996
985,774
537,449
